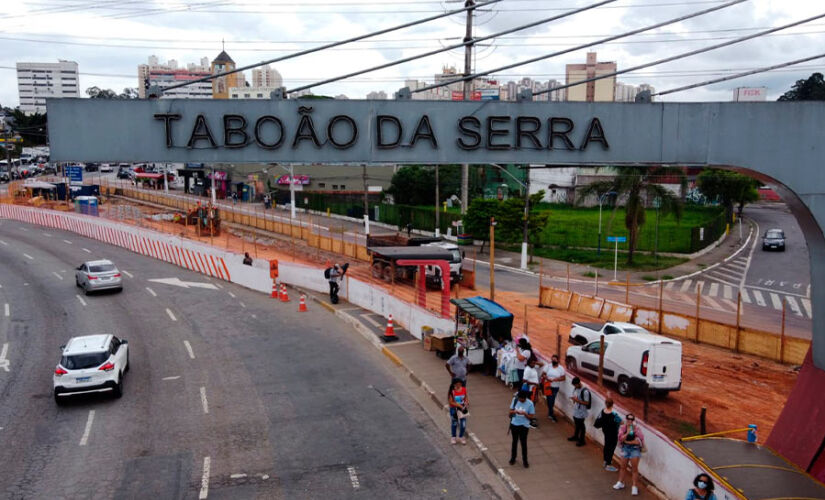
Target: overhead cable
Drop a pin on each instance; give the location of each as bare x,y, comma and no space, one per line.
451,47
740,75
685,54
333,44
579,47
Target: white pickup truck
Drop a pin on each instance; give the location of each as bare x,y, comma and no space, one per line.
584,333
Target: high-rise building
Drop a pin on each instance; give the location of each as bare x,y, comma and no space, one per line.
374,95
37,81
168,73
597,91
251,92
266,77
221,85
627,93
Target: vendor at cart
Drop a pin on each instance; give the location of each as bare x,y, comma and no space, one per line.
481,327
457,366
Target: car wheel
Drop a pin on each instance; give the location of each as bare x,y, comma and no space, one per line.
57,399
128,365
624,385
118,392
76,282
571,363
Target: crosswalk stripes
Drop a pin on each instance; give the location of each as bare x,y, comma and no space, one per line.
669,286
807,305
713,303
714,289
776,301
730,303
794,305
727,292
685,286
746,299
760,300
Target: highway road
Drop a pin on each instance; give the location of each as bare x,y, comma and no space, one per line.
230,395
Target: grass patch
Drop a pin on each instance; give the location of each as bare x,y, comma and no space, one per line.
641,262
579,227
685,429
649,278
589,274
667,277
702,266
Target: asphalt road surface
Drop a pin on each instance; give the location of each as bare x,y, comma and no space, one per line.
230,394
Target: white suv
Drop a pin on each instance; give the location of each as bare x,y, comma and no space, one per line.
91,363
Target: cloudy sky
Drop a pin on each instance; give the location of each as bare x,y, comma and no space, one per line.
109,38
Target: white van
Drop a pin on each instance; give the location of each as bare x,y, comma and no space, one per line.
630,360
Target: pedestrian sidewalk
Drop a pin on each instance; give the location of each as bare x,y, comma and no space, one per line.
558,468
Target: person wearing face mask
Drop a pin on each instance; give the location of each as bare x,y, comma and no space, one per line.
552,378
702,488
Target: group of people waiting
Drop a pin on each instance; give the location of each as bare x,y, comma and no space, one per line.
537,378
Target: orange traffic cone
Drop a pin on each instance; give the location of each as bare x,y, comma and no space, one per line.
389,333
274,289
302,306
284,294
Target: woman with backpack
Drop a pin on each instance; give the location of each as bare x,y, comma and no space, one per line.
632,443
609,422
458,410
702,488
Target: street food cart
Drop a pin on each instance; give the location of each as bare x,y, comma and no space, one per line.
479,322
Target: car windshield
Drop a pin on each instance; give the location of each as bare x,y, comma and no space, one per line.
456,256
632,330
773,234
82,361
101,268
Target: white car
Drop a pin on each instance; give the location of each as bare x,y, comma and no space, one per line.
91,363
105,167
97,275
584,333
632,360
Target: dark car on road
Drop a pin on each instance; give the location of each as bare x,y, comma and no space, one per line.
774,239
123,173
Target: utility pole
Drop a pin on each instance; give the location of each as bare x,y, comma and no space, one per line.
437,200
493,259
292,191
526,217
366,198
468,69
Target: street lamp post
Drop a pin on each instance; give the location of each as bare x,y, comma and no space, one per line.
526,187
599,243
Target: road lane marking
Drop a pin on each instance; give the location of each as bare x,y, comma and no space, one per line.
57,274
730,303
353,477
127,273
83,302
670,285
151,292
4,363
794,306
218,285
371,321
24,229
204,402
237,476
204,493
67,242
87,250
171,378
254,316
7,310
88,428
3,243
242,304
760,300
172,316
714,289
28,256
807,305
686,286
47,234
231,294
745,297
189,349
776,301
713,303
727,292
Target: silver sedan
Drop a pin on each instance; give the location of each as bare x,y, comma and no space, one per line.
98,275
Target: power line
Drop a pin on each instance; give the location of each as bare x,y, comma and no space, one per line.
686,54
330,45
466,43
579,47
740,75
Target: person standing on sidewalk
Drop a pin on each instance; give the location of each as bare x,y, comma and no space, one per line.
632,442
333,278
609,422
521,412
581,406
523,354
457,366
531,384
458,411
702,488
553,376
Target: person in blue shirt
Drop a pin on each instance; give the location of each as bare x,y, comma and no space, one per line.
522,412
702,488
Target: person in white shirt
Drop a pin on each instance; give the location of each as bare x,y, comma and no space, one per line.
530,384
552,377
523,354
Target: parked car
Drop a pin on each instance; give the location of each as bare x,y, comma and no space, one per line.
91,167
123,173
105,167
584,333
98,275
91,363
774,239
632,360
4,176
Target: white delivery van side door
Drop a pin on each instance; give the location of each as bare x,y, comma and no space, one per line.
665,366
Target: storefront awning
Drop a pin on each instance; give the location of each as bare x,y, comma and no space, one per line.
481,308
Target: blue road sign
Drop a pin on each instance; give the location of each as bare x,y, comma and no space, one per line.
75,173
616,239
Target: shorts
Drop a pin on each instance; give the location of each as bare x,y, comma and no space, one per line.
631,451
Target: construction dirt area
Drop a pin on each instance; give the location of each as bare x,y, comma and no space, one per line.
736,389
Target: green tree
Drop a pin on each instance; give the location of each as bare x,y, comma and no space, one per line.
509,216
415,184
812,89
638,185
99,93
728,188
32,128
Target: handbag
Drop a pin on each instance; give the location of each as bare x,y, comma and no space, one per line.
462,414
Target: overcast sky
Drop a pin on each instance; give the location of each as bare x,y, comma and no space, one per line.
109,38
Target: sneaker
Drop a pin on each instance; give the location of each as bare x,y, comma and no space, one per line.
634,491
512,461
572,438
533,425
452,440
463,440
610,468
526,465
618,486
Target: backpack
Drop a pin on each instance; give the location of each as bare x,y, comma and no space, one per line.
585,396
327,272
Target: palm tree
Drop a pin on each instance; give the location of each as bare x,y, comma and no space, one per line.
636,186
